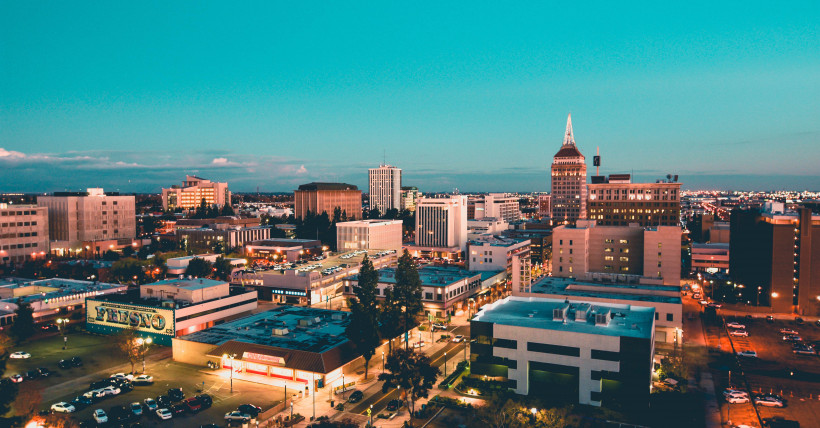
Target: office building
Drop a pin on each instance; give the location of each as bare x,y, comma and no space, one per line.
193,191
544,206
23,233
178,265
50,298
77,221
169,308
711,258
495,205
409,198
568,187
484,226
385,188
617,253
603,354
617,201
493,252
775,255
225,222
298,348
374,234
285,249
441,224
318,198
209,238
540,245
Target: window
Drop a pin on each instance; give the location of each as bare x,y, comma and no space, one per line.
570,250
544,348
669,317
605,355
624,259
570,242
505,343
624,241
657,316
428,296
609,258
560,242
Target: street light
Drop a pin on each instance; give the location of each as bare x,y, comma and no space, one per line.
232,356
370,412
383,356
445,364
144,342
62,325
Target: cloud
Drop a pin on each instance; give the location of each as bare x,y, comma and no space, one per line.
302,170
220,161
11,154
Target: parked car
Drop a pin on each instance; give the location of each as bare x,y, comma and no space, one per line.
737,399
94,394
788,331
164,401
742,333
748,353
179,409
193,404
128,376
236,415
355,396
100,416
111,390
150,404
439,326
64,364
734,324
798,321
176,394
804,350
731,391
76,361
792,338
769,401
250,409
32,374
419,344
393,405
20,355
143,379
44,372
164,414
205,400
136,408
16,378
63,407
769,319
80,402
457,338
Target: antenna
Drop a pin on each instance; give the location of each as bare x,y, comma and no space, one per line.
385,156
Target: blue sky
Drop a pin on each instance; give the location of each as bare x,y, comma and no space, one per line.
134,95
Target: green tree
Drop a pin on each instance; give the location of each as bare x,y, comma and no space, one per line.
363,329
23,326
8,390
227,210
128,251
199,268
412,371
390,318
111,256
128,346
128,270
407,291
222,268
502,411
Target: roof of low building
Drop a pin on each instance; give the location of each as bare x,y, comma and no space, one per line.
189,284
327,186
618,291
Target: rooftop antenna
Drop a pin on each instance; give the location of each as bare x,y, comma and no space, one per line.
385,156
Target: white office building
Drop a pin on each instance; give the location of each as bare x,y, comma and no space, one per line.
497,205
376,234
442,222
385,188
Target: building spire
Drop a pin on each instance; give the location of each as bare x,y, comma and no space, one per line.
569,139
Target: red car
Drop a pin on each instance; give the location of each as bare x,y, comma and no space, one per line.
193,404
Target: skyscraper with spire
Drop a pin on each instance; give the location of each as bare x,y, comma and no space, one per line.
569,181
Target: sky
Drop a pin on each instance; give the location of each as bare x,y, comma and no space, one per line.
131,96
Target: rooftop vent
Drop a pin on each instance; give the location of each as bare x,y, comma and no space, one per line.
603,317
560,314
337,317
280,332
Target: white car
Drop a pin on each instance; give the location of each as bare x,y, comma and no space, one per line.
769,402
458,338
111,390
123,376
748,353
100,416
737,399
19,355
788,331
16,378
742,333
94,393
150,404
62,407
419,344
164,414
729,391
735,325
236,415
143,379
704,302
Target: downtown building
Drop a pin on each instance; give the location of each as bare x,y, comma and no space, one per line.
409,198
617,201
193,191
23,233
87,224
495,205
318,198
774,258
441,228
385,188
599,354
569,181
374,234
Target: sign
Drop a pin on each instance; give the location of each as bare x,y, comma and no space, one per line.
263,358
150,320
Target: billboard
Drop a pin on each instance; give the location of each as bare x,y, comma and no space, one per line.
150,320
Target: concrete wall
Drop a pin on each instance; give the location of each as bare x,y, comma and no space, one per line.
185,351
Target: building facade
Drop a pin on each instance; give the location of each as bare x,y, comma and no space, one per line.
374,234
544,206
618,253
568,188
23,233
602,354
209,238
495,205
621,202
385,188
193,191
494,253
442,222
409,198
710,258
318,198
78,218
775,255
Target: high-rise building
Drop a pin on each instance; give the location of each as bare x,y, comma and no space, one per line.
442,222
775,256
317,198
617,201
78,219
193,191
497,205
617,253
569,179
385,188
374,234
544,209
409,198
23,233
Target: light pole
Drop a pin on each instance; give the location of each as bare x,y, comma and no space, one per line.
143,343
370,412
343,386
62,325
382,362
291,412
313,393
232,356
445,364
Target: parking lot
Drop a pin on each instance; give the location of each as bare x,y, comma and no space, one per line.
100,362
776,369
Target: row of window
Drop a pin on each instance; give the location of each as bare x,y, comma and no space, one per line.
19,224
28,245
568,351
13,213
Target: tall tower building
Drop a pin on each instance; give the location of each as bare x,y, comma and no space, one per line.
385,188
569,181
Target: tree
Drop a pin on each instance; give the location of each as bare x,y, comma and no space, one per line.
412,371
129,347
23,326
501,411
227,210
325,422
8,390
128,251
407,291
127,270
390,316
28,400
199,268
363,329
111,256
222,268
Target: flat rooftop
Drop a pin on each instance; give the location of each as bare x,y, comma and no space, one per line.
46,289
431,276
326,329
563,287
350,259
132,297
537,312
496,241
189,284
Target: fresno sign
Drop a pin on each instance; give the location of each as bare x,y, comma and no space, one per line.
152,320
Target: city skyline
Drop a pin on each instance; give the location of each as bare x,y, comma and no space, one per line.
130,99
